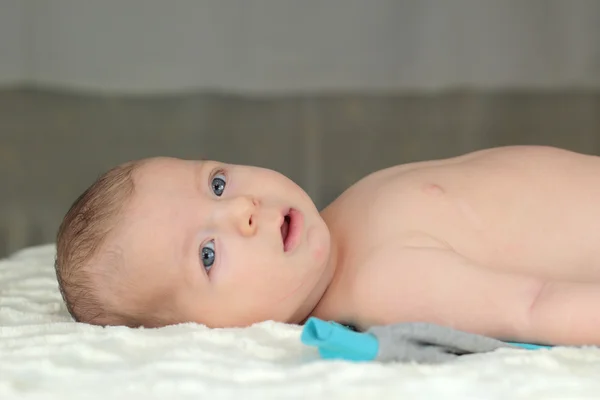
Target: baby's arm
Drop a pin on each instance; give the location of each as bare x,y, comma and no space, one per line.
567,313
442,287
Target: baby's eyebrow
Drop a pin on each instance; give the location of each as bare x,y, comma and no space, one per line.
199,167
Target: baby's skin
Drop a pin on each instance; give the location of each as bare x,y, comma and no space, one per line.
502,242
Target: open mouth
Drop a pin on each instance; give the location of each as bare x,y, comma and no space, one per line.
290,229
285,228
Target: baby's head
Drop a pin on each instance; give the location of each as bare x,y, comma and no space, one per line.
163,241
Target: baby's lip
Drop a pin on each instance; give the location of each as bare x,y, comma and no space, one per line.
291,229
284,226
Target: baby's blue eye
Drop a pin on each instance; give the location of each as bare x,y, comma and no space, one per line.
207,254
218,184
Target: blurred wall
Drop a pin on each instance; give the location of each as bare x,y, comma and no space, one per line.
13,42
310,45
324,92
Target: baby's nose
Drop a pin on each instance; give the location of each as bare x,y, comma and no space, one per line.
244,213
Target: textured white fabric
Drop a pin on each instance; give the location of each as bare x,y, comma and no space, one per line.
45,355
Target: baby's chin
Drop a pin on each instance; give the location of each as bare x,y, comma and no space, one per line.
318,240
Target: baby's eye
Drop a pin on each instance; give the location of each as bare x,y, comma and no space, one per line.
207,255
218,184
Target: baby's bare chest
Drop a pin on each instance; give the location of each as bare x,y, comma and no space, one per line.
500,221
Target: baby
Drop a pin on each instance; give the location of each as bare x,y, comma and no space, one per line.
501,242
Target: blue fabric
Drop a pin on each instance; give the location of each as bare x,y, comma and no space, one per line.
335,341
530,346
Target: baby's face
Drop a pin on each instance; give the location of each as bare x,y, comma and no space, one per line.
223,245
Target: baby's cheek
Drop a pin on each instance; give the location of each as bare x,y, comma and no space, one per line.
268,286
263,295
262,281
254,280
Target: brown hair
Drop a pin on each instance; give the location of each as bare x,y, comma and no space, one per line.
80,240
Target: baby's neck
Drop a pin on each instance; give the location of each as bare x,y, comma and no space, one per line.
332,290
318,294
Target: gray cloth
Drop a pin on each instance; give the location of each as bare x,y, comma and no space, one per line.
429,343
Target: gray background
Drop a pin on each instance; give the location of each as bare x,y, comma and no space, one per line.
323,91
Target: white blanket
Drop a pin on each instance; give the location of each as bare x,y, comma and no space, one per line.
43,354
